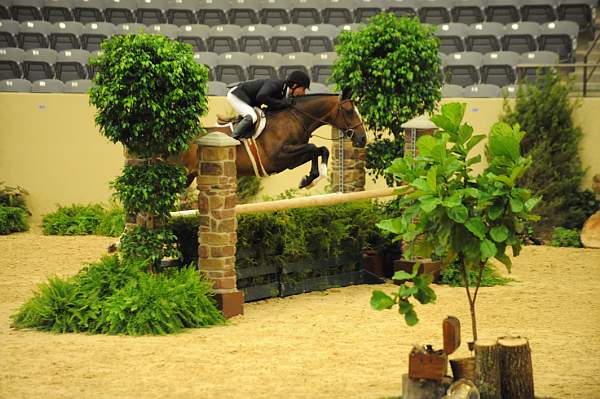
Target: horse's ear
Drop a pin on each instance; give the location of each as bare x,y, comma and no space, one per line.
346,93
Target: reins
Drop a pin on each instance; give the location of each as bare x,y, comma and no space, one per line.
345,130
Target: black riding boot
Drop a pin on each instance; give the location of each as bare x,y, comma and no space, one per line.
243,128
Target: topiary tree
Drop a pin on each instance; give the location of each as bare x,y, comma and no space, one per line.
544,111
393,68
149,94
454,214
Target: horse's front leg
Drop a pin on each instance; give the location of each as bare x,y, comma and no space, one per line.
298,154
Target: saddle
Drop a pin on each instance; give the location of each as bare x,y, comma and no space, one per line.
233,120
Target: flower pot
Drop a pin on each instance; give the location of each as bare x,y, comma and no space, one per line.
427,267
463,368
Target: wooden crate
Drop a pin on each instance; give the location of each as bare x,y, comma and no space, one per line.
427,365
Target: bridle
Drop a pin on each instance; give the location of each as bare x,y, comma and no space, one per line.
347,130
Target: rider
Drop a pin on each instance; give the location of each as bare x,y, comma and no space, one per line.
276,94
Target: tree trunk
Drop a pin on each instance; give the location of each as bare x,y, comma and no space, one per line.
487,369
516,369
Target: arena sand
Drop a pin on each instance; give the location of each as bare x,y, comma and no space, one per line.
318,345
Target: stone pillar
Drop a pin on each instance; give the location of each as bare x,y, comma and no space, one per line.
353,166
217,235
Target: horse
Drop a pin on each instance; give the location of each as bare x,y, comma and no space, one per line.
284,142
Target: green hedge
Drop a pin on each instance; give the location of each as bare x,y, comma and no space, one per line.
12,220
84,219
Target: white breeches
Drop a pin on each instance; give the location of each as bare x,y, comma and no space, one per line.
240,106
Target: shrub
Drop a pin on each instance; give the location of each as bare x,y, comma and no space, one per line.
116,297
247,188
112,222
13,197
452,276
12,220
562,237
73,220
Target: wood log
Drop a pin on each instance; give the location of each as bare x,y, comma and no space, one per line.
516,368
487,369
423,389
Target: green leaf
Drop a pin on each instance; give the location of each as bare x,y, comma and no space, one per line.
474,141
454,112
431,178
503,142
516,204
423,280
502,257
474,160
458,213
488,249
381,301
411,318
406,291
477,227
495,211
531,203
429,204
425,145
391,225
405,306
402,275
453,200
499,233
425,295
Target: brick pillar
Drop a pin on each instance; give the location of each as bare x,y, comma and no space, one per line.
354,165
217,235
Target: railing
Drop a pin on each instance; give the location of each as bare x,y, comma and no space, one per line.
586,78
522,67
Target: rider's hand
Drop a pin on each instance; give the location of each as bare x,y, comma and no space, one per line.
290,101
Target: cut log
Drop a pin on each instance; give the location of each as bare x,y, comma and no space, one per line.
590,234
423,389
487,369
516,368
463,368
451,334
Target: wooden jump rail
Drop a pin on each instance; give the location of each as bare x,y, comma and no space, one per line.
304,202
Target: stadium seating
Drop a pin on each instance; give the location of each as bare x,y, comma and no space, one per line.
71,65
482,90
217,88
58,10
65,35
264,65
48,86
78,86
10,63
15,85
195,35
463,68
452,37
231,67
181,12
87,11
499,68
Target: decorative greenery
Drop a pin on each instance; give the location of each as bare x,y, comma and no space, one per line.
12,220
455,213
13,197
393,68
116,297
452,276
581,205
544,111
562,237
152,188
149,245
149,94
247,188
84,219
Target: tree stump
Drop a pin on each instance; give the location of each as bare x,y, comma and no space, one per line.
516,369
487,369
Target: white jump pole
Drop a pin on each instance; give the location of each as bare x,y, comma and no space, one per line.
304,202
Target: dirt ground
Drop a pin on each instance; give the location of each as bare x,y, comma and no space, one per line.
318,345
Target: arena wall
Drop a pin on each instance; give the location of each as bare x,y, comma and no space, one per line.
50,146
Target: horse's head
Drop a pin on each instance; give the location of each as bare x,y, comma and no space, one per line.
348,120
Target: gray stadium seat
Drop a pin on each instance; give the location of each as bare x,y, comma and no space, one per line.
151,12
452,37
503,11
275,12
485,37
365,9
27,10
529,75
9,32
296,62
78,86
256,38
208,59
403,8
322,66
71,65
463,68
65,35
482,90
319,38
15,85
509,91
223,38
86,11
94,33
120,11
337,12
195,35
5,11
212,12
264,65
216,88
582,12
11,59
449,90
181,12
319,88
129,28
540,11
285,38
168,30
499,68
231,67
34,34
306,12
468,11
559,37
48,86
521,37
244,12
434,11
57,10
39,64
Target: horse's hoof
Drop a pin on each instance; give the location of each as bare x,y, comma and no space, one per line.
305,182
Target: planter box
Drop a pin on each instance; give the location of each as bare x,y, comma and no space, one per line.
255,293
373,262
427,266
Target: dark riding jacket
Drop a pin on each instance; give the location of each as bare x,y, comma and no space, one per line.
270,92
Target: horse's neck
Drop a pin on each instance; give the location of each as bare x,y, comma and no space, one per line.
315,113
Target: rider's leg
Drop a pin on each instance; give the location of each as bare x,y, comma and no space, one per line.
247,112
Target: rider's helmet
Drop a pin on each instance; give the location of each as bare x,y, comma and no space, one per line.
300,78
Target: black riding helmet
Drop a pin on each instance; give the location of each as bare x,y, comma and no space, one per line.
298,77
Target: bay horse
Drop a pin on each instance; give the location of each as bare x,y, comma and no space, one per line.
284,142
